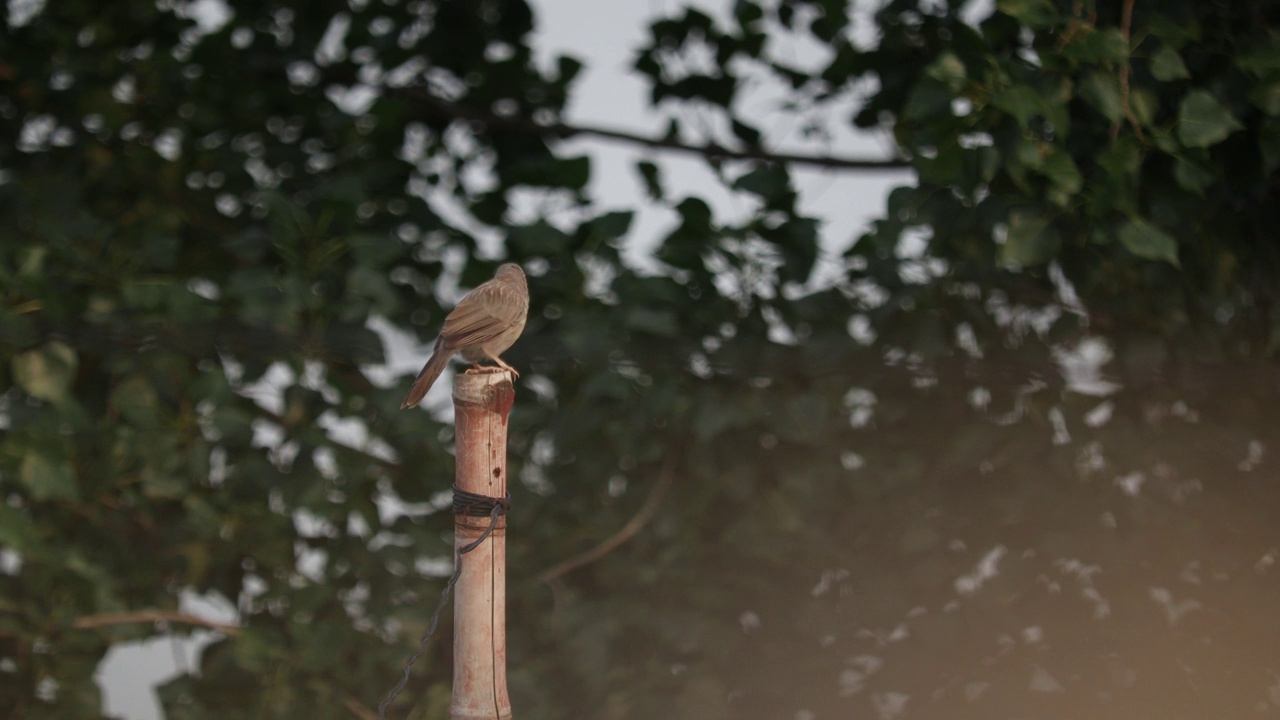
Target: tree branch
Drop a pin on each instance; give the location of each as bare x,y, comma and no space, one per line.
564,131
1126,22
357,708
633,526
89,622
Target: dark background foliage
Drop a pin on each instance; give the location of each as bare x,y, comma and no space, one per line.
186,212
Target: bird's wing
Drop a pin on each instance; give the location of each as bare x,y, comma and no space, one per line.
483,315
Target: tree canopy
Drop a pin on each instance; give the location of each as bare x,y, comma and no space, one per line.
211,212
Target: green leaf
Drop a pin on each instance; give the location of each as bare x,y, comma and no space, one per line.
1062,172
1266,97
1031,240
46,372
929,99
375,250
800,248
540,238
1102,91
1033,13
611,225
1145,240
16,531
744,132
652,182
663,323
568,68
48,479
373,284
1269,144
1203,121
1101,46
949,70
135,400
1167,65
572,172
1262,59
765,181
1175,32
684,246
1020,101
747,13
1143,104
1193,176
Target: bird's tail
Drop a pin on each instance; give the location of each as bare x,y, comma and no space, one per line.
439,359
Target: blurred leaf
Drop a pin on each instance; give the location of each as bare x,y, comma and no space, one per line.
654,322
949,70
1063,173
540,238
1266,97
744,132
1035,13
1098,47
46,372
1030,240
684,246
649,174
1203,121
136,401
1145,240
1102,91
16,531
929,99
765,181
1167,65
47,478
612,225
1193,176
568,68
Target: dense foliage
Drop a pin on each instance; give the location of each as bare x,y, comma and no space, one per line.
204,223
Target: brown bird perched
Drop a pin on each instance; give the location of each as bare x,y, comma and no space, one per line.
485,323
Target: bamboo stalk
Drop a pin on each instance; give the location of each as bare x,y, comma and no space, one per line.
482,403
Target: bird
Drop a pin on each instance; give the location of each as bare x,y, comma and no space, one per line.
486,322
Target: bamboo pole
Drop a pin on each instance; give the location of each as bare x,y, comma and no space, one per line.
482,403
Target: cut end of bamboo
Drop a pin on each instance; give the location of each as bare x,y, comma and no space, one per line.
491,390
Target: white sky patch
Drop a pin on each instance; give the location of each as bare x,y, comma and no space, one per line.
210,15
22,12
861,403
967,340
1173,609
1100,415
1131,484
1082,365
986,569
890,705
354,100
1065,291
853,680
980,398
1253,456
829,579
168,144
10,562
332,47
1059,422
1043,682
851,460
1083,575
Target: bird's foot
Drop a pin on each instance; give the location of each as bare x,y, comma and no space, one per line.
487,369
